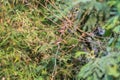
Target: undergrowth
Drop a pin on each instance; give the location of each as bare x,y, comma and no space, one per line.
59,40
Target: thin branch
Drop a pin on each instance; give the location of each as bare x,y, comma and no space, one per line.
55,63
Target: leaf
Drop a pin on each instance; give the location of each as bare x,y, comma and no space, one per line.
78,1
118,43
95,76
40,78
118,6
112,70
111,3
99,73
79,53
98,6
117,29
72,41
90,23
94,68
110,41
112,22
86,70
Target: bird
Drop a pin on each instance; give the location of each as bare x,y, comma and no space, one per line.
99,31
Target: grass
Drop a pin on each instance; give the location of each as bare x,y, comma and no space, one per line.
38,41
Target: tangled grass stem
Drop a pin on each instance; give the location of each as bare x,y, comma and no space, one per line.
55,63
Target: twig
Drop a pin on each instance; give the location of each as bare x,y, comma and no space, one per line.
55,64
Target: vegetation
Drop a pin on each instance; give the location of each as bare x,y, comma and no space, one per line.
60,40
